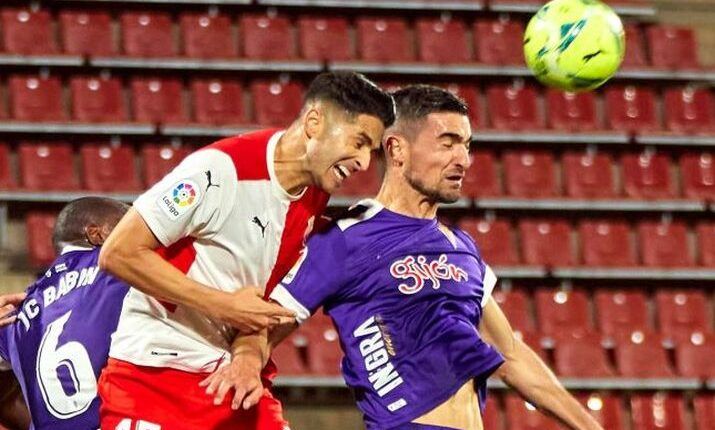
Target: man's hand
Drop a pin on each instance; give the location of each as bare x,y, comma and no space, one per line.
243,375
8,304
246,310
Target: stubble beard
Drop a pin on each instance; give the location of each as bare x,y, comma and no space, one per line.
431,194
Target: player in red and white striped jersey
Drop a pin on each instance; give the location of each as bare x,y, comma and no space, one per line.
205,244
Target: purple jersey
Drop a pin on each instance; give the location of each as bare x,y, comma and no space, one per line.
406,302
60,341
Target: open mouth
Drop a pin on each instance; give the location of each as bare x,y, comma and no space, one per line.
341,172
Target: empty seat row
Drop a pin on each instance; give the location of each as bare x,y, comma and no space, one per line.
272,36
595,243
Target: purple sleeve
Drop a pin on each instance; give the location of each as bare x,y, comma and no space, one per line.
318,274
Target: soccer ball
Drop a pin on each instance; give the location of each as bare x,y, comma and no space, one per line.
575,45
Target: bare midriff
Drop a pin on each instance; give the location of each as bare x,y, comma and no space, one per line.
461,411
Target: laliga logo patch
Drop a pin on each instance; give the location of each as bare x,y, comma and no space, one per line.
180,198
421,271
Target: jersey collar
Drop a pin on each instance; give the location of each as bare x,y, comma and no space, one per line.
72,248
270,159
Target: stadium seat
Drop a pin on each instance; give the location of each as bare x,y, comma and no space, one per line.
529,174
217,101
697,171
619,313
664,244
515,305
276,103
704,406
658,411
157,100
470,95
672,47
572,112
641,355
108,168
605,408
47,167
688,109
494,41
565,312
39,226
160,160
207,35
7,179
606,243
494,239
635,55
492,416
27,32
521,415
147,34
364,184
581,355
324,38
694,356
631,109
705,232
87,33
514,107
481,179
290,356
36,98
442,41
97,99
384,40
324,352
682,313
588,175
267,37
647,176
546,242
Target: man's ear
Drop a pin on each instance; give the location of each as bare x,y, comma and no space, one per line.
314,120
96,235
396,148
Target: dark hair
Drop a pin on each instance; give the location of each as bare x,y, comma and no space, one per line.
353,92
415,102
81,213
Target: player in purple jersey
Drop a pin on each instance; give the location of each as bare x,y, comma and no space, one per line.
59,341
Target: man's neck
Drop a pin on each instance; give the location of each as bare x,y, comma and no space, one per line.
398,196
290,161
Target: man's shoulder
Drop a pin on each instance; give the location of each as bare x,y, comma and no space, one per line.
362,214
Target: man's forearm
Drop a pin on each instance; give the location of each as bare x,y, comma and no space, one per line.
252,346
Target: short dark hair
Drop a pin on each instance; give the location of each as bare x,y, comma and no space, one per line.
81,213
415,102
353,92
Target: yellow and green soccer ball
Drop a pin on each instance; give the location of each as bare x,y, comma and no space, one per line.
575,45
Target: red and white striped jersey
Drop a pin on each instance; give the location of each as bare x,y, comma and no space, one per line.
226,222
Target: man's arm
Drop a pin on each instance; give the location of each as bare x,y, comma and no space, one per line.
13,410
524,371
8,305
129,253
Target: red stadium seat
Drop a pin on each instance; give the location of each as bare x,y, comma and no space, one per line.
606,409
605,243
276,103
365,183
545,242
290,357
647,176
7,180
514,107
108,168
620,313
267,37
97,99
571,112
39,227
442,41
698,175
635,55
27,32
491,416
515,305
704,405
160,160
588,175
688,110
658,411
87,33
157,100
207,35
581,356
324,38
631,108
694,356
529,174
705,232
384,40
521,415
682,313
481,179
35,98
672,47
494,41
560,311
470,95
147,34
494,239
664,244
217,101
324,352
47,166
642,355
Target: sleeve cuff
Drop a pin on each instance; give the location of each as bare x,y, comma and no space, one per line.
488,283
153,224
281,295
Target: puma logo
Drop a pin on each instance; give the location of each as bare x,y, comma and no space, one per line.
208,178
260,224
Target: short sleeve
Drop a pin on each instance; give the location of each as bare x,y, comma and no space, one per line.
488,283
193,200
4,354
318,275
